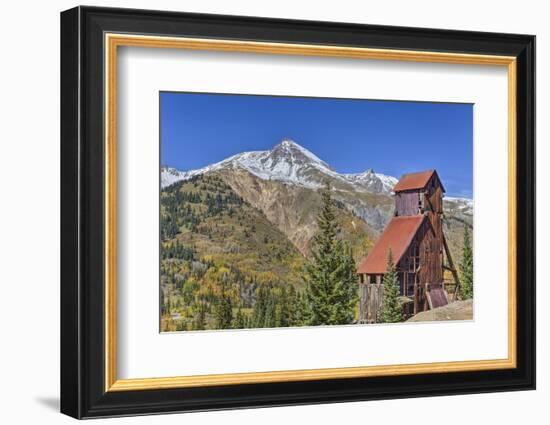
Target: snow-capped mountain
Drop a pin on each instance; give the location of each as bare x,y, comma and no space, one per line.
290,163
373,182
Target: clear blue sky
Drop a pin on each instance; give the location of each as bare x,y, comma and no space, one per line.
351,135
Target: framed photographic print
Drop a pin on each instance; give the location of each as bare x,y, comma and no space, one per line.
261,212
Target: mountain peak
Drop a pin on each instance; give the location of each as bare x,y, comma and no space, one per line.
287,150
286,142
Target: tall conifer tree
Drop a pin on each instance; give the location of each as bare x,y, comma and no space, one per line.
270,320
330,278
467,267
260,306
224,307
239,321
392,311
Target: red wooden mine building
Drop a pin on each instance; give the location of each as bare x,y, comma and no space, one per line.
415,237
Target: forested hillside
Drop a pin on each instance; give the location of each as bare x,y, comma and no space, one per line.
220,258
225,265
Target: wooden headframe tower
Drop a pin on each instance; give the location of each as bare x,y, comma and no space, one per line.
417,242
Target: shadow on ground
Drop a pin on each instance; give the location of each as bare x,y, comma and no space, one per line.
49,402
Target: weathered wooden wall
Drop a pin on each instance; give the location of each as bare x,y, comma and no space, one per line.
431,270
371,295
434,205
421,264
407,203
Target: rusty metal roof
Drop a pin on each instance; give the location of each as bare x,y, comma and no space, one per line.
398,235
412,181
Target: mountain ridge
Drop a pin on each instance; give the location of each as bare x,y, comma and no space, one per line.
291,163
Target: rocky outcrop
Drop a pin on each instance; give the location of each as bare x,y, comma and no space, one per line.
459,310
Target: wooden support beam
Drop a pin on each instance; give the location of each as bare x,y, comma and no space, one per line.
415,306
432,209
452,266
363,307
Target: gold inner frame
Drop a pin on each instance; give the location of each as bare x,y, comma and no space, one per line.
113,41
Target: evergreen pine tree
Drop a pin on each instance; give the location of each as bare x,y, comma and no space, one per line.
224,309
239,322
283,309
345,290
392,310
259,308
292,294
330,276
270,313
162,305
199,322
467,267
300,310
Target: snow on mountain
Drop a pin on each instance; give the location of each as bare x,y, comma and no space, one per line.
286,162
463,204
373,182
169,176
290,163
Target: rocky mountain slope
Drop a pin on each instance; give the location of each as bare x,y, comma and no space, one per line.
293,209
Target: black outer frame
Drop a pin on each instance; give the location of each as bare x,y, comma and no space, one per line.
82,206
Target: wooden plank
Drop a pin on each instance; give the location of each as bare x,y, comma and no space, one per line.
453,269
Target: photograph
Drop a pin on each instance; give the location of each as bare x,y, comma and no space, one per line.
284,211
